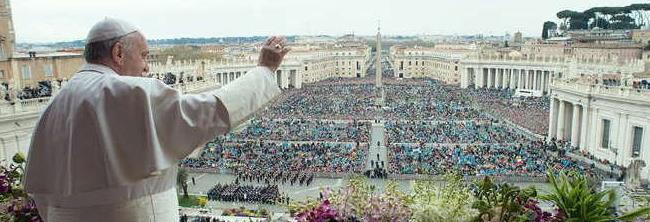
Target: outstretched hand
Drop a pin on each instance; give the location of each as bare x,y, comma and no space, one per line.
272,53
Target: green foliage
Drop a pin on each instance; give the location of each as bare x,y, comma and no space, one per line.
632,16
452,202
191,201
181,180
501,202
548,25
572,194
19,158
600,23
15,204
580,202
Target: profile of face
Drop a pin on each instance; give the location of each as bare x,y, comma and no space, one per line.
130,55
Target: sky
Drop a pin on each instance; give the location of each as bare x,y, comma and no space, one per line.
67,20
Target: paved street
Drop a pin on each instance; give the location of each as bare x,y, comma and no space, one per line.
205,181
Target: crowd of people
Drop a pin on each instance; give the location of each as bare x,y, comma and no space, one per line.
432,101
529,112
185,218
304,130
306,157
532,159
343,102
431,128
247,174
311,157
209,158
42,89
268,194
451,132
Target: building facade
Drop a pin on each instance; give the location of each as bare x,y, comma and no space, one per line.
19,69
609,122
441,62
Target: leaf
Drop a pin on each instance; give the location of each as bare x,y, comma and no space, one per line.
631,216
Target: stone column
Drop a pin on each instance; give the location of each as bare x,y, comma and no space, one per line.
535,80
584,127
512,78
520,84
525,79
478,72
575,126
504,79
495,79
552,122
543,82
464,78
502,74
539,74
518,75
560,121
547,81
498,78
490,78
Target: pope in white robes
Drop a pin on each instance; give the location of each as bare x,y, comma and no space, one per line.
107,146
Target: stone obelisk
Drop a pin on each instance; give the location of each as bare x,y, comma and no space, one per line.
378,71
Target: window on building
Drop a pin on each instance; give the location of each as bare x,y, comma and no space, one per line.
2,74
637,139
605,134
48,70
26,72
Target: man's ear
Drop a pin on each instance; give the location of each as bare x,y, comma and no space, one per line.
118,53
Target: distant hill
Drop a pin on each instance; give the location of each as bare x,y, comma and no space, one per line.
155,42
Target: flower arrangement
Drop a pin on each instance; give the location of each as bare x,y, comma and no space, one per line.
356,202
243,212
16,205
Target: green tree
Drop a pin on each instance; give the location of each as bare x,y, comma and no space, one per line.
623,21
600,23
181,180
548,25
641,13
565,15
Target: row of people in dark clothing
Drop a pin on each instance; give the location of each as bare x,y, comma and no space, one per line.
268,194
185,218
275,177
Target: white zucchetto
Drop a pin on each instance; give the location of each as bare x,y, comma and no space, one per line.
109,28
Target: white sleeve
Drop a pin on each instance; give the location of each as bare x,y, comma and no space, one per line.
248,93
175,124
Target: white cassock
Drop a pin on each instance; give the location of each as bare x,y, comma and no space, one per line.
107,146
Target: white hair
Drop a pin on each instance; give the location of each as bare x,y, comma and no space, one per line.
97,51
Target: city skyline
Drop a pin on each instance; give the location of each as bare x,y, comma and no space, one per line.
69,20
